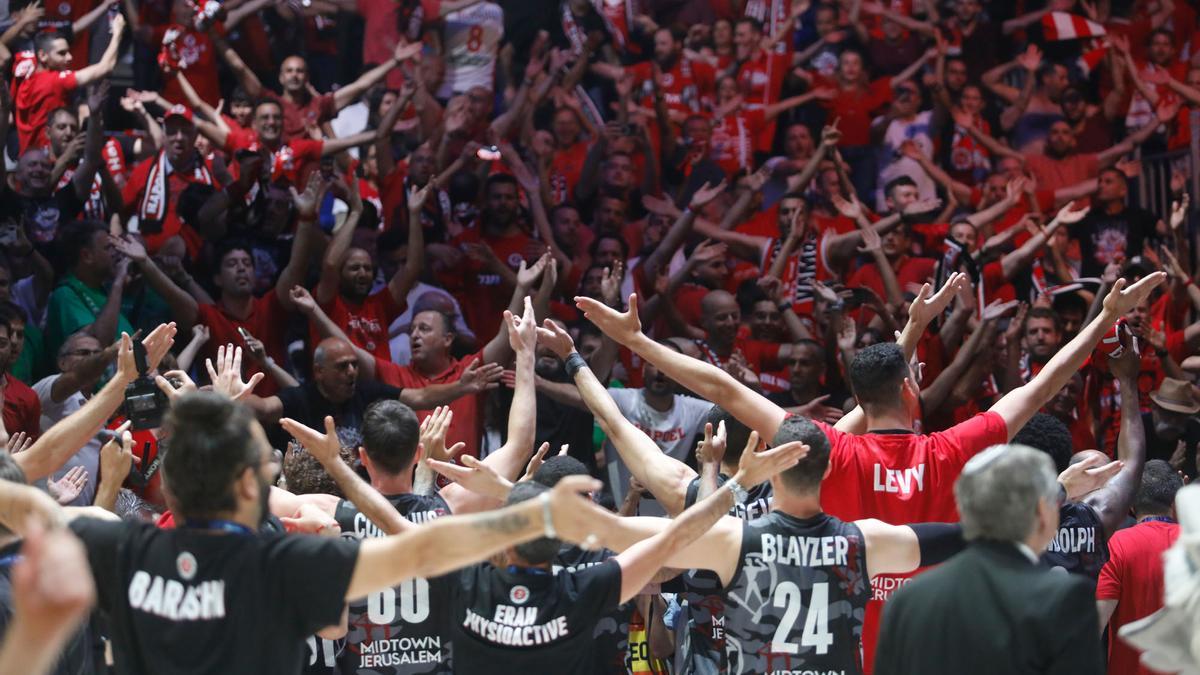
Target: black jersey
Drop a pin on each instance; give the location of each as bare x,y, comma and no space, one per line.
1080,546
515,620
188,601
401,630
612,629
798,598
700,637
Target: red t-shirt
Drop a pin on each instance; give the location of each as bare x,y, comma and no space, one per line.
468,410
1133,576
296,117
855,107
366,323
900,478
911,271
196,50
566,167
22,408
484,296
1053,174
761,80
177,182
266,322
290,162
733,140
40,93
686,87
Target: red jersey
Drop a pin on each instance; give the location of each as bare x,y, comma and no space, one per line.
37,95
688,87
804,266
468,410
22,408
900,477
197,56
290,162
566,167
366,323
141,189
1133,576
761,79
855,107
266,322
910,271
297,117
734,138
484,296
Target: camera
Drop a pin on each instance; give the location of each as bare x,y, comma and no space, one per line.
145,404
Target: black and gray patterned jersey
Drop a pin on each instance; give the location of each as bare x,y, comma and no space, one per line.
797,600
400,630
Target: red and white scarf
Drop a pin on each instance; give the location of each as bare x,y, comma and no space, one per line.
153,208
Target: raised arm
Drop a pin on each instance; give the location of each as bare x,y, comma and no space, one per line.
666,477
708,381
82,181
303,244
108,61
346,95
335,252
1112,501
65,438
245,77
994,80
1021,403
453,542
1164,113
183,306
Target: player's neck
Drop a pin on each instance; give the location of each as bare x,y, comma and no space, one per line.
797,506
889,419
400,484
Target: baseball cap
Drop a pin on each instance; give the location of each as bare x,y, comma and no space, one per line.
178,110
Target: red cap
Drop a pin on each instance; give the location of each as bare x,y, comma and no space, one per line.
178,110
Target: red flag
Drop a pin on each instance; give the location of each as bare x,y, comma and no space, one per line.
1065,26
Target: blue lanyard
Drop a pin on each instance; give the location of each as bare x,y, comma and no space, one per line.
9,559
1157,519
218,525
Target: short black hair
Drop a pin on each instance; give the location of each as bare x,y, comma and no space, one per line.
42,42
1156,495
1050,435
557,468
499,179
59,111
750,21
736,433
74,238
267,100
390,435
1045,313
240,95
876,374
542,549
209,446
897,182
227,246
595,246
806,476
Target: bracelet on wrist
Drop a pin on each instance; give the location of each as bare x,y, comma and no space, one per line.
740,494
575,363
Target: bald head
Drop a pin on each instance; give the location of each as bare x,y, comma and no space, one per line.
335,369
718,301
1084,455
720,318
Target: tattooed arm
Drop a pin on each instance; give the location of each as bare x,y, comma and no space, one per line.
453,542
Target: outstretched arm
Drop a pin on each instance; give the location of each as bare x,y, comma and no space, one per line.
304,242
102,68
1021,403
708,381
453,542
346,95
1113,500
246,77
666,477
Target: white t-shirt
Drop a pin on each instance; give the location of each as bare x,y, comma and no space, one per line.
400,345
672,431
893,165
471,43
89,455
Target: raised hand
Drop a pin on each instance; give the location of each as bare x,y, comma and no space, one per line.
1179,211
871,241
620,326
52,587
817,410
706,193
66,489
922,206
227,375
554,338
528,276
1087,476
660,206
303,300
535,462
610,283
757,467
473,475
1031,58
522,331
996,310
308,201
851,208
117,456
18,442
324,447
256,348
312,519
478,377
1013,332
711,450
928,305
1067,215
185,386
406,50
433,435
1121,300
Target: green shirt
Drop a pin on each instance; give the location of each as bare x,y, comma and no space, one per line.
74,305
31,363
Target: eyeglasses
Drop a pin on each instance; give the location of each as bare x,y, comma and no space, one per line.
82,352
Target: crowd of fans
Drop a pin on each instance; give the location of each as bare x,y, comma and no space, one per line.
744,214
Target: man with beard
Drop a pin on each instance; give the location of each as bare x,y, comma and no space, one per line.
151,196
90,294
78,159
1172,432
686,84
809,393
299,107
211,594
720,318
497,250
348,275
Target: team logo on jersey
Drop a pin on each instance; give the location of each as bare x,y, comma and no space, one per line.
518,594
515,259
185,564
64,8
